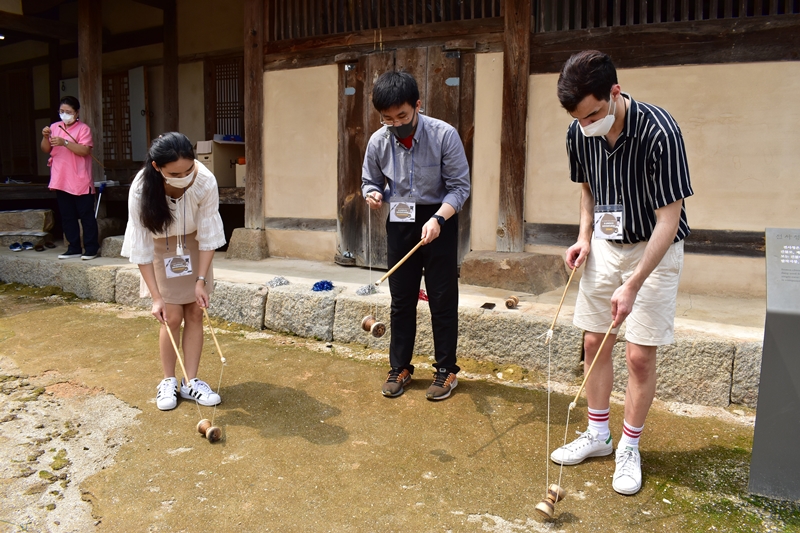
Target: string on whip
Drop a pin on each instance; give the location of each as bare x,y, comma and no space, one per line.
221,358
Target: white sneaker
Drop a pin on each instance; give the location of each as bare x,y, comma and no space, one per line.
628,474
200,392
167,394
587,445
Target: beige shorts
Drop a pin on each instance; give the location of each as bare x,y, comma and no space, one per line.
652,320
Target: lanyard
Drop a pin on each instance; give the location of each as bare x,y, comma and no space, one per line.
180,244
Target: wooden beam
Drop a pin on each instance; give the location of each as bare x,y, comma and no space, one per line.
54,75
39,27
90,75
170,66
516,52
120,41
736,40
254,37
158,4
32,7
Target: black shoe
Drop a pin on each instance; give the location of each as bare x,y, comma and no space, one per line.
395,381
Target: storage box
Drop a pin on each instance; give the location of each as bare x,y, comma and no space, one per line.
220,158
241,171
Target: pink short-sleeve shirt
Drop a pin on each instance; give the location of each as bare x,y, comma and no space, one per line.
69,172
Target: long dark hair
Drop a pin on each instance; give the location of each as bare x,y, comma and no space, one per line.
156,214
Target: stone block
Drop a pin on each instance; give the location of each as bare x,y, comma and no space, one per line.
112,246
127,288
27,219
746,373
299,310
531,273
7,238
248,244
695,369
93,282
351,310
242,303
517,338
29,270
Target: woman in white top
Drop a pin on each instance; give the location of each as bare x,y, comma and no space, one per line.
174,227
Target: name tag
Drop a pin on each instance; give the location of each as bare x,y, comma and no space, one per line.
608,222
402,210
177,266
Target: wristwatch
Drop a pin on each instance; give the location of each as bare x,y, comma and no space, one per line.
66,143
440,219
201,278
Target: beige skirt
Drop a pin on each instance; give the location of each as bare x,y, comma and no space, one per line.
178,290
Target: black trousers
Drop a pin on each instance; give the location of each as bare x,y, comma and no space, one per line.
439,259
74,208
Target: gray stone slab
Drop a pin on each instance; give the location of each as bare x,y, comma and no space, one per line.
248,244
127,288
93,282
351,310
746,373
27,219
242,303
112,246
30,270
519,338
297,309
532,273
695,369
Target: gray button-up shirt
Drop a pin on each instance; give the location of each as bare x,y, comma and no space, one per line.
433,171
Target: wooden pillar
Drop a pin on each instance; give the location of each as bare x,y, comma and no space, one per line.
170,66
54,76
516,71
254,36
90,74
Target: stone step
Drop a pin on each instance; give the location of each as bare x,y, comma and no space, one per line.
27,220
7,238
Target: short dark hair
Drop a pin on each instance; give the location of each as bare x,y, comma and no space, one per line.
585,73
71,101
394,89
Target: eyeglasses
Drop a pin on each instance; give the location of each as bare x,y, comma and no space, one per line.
399,122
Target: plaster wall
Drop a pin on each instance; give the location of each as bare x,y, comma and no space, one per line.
22,51
300,143
209,25
11,6
191,105
486,151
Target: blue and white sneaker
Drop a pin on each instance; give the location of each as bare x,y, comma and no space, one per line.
200,392
167,394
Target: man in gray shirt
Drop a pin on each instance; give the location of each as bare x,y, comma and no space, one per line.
417,164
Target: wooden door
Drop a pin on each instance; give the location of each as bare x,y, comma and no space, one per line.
18,140
446,81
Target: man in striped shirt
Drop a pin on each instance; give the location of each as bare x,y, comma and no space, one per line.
630,160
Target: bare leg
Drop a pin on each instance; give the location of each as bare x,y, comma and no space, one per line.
641,382
600,383
168,357
192,337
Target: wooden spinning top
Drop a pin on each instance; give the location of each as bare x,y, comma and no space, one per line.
371,325
212,433
511,302
546,507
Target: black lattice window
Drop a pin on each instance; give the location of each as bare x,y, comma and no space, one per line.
116,119
229,104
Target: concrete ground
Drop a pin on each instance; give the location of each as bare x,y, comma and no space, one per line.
309,444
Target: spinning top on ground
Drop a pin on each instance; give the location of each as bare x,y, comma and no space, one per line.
203,426
546,507
511,302
375,328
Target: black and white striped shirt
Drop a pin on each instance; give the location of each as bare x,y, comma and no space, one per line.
646,170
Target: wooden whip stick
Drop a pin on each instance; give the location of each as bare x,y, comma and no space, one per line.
550,331
586,377
76,142
178,353
403,260
213,335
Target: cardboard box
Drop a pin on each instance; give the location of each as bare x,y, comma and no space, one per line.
220,158
241,171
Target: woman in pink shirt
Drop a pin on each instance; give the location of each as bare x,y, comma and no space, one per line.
69,143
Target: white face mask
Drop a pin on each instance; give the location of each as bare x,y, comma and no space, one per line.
68,118
179,183
601,127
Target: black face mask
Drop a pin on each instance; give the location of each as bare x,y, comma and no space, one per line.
401,132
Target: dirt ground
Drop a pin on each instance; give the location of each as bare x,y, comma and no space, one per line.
309,444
